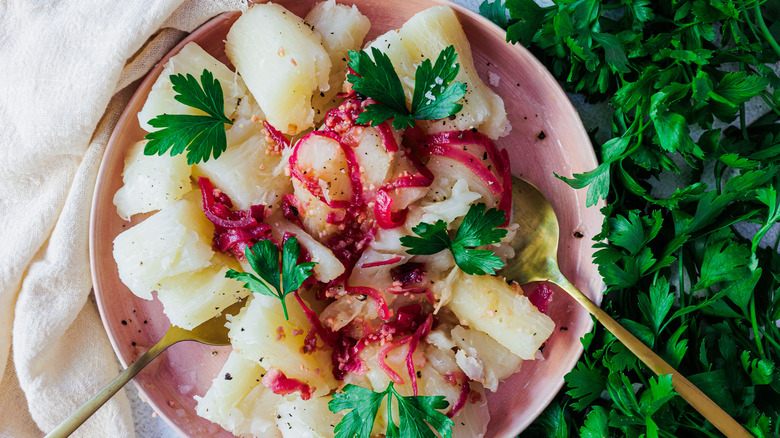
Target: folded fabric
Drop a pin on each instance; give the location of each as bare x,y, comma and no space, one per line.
68,69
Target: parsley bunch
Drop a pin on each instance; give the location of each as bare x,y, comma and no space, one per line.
689,272
417,414
276,279
479,228
435,95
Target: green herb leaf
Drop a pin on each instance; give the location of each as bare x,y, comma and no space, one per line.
478,228
417,414
294,273
495,12
376,78
275,279
435,94
690,185
202,136
527,15
657,304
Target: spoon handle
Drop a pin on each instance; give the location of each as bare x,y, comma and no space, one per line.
693,395
78,417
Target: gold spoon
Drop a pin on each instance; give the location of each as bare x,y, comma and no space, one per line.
536,248
211,332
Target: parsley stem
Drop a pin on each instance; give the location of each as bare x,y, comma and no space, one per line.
764,95
641,375
719,176
764,30
754,323
777,243
390,392
769,338
742,121
284,308
681,281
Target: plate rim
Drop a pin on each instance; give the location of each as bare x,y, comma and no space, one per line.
152,75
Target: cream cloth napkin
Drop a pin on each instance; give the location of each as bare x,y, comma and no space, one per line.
67,69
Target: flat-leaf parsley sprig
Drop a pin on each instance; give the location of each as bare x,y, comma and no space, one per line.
701,291
276,279
478,228
200,135
416,414
435,95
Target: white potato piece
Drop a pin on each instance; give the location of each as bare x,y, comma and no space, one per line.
447,172
488,304
250,172
238,402
328,267
175,240
151,182
342,311
425,35
440,374
260,333
342,29
283,63
482,358
306,418
192,298
192,59
473,419
378,277
453,207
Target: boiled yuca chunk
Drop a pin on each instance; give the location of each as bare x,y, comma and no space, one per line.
483,359
260,333
151,182
342,29
192,59
238,401
327,267
282,62
425,35
488,304
175,240
473,419
306,418
250,172
192,298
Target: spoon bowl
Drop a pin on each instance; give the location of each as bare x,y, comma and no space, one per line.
535,259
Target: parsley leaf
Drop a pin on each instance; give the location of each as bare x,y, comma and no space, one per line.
691,191
417,414
495,12
435,94
276,280
200,135
478,228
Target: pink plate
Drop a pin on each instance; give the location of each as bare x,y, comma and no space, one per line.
535,104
